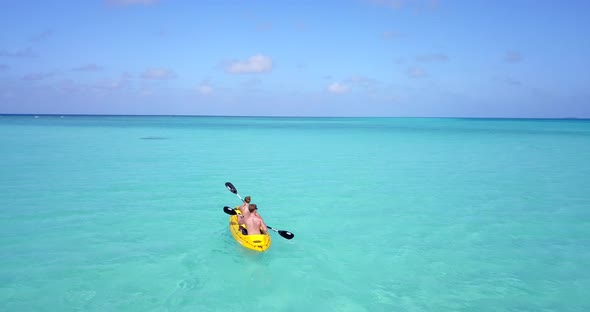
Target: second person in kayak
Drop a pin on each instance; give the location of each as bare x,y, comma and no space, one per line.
244,207
254,223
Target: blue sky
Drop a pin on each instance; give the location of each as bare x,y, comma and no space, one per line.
296,58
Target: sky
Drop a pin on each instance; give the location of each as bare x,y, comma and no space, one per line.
390,58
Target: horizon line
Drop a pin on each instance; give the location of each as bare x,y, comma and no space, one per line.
286,116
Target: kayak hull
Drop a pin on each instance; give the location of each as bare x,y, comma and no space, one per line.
253,242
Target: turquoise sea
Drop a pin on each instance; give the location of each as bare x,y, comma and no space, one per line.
118,213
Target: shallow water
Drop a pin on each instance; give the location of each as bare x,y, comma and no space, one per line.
389,214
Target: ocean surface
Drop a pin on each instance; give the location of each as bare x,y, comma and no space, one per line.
118,213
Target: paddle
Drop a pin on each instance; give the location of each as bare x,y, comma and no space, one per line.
285,234
230,211
231,188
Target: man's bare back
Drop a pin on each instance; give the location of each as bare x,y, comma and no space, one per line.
253,225
254,222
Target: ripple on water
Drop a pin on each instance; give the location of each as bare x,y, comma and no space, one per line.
79,298
153,138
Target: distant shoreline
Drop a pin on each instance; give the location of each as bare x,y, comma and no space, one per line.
309,117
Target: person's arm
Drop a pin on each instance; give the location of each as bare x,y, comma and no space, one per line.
263,226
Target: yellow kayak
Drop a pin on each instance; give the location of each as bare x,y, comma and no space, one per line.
254,242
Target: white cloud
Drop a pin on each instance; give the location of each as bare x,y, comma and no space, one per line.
205,89
88,68
256,64
338,88
158,74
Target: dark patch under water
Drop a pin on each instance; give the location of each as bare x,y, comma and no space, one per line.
153,138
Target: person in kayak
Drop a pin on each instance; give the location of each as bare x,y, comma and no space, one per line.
244,207
244,210
254,223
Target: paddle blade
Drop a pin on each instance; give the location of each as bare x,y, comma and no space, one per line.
229,211
286,234
231,187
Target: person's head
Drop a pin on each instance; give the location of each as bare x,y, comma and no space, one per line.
247,199
252,207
